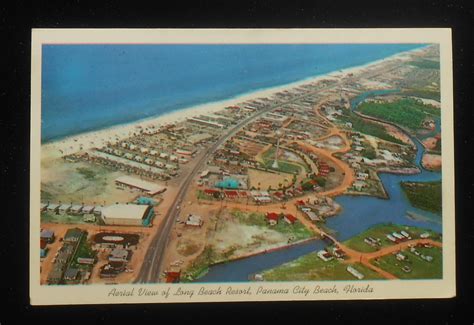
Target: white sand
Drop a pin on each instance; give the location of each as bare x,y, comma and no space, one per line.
100,138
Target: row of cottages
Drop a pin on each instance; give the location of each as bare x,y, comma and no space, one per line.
228,194
323,168
273,218
308,211
70,208
327,255
396,237
261,196
361,176
61,270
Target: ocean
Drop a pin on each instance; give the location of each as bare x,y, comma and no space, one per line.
89,87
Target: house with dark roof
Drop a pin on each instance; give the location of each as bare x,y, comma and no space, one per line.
47,235
71,274
56,274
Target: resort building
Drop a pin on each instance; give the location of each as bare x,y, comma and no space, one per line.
88,209
127,215
64,208
194,220
276,119
44,206
198,138
206,123
76,209
119,255
136,183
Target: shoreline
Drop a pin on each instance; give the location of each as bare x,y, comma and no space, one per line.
89,139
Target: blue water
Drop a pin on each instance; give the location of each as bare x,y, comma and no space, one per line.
230,183
87,87
145,201
359,213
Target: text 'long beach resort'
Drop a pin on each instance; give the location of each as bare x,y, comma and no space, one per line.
333,177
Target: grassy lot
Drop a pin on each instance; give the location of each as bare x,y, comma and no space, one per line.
423,93
87,173
425,64
361,125
298,231
47,217
201,196
283,165
200,266
424,195
379,232
369,152
311,268
407,112
420,269
84,250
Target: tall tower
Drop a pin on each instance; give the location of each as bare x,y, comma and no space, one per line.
275,162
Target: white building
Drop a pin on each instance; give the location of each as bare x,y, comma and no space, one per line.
194,220
354,272
126,214
144,186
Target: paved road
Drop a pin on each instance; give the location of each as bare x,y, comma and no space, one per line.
152,264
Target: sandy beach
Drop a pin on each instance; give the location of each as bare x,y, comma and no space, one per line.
99,138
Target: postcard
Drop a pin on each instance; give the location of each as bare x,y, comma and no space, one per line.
218,165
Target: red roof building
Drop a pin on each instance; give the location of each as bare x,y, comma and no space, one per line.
289,218
210,191
173,277
231,194
300,202
272,217
279,195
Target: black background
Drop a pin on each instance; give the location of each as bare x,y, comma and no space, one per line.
19,17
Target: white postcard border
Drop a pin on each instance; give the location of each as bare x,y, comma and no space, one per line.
166,293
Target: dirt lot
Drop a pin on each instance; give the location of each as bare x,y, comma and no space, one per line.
234,239
264,179
430,143
187,242
431,161
333,143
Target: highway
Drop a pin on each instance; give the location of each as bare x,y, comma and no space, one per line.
152,265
